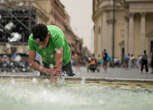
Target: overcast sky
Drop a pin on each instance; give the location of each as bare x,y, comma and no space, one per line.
80,12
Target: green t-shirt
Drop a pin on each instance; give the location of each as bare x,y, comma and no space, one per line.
56,40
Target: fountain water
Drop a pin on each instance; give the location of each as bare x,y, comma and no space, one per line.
42,96
83,80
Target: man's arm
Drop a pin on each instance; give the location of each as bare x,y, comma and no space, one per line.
35,65
59,59
58,65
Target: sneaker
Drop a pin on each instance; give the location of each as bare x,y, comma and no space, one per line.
72,74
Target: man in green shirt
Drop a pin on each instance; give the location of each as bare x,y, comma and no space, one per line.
51,44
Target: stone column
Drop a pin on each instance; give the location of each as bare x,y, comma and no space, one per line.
104,31
126,35
131,33
109,37
99,39
143,31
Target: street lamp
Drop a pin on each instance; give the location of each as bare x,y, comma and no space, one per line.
113,33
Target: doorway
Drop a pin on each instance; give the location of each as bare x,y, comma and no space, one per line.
151,46
122,55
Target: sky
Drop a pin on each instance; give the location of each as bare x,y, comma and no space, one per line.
80,12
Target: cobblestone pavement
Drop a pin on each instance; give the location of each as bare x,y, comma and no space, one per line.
115,73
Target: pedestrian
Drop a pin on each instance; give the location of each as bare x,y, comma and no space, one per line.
132,61
93,64
50,43
138,63
152,62
106,59
99,59
126,61
144,61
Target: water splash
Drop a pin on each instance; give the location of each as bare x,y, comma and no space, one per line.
12,81
34,80
61,79
51,66
83,80
58,51
71,97
46,81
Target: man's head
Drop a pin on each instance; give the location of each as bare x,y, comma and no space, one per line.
39,32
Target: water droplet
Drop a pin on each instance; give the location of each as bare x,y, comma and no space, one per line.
46,80
34,80
58,51
12,81
51,56
83,81
51,65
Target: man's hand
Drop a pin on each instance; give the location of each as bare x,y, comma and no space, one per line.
54,74
53,71
57,72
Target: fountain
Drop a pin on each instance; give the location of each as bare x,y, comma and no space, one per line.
45,96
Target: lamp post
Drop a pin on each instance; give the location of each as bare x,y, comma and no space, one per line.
113,33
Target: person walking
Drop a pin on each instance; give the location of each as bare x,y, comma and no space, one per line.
106,59
126,61
152,62
138,62
144,61
132,61
99,59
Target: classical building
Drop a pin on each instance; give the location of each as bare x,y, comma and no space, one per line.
123,26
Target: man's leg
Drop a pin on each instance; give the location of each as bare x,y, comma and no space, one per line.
68,69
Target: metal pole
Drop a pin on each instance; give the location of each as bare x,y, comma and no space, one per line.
113,33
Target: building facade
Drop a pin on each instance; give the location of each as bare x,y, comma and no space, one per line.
132,22
23,14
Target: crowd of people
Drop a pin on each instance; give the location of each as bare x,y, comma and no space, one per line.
141,62
93,63
104,60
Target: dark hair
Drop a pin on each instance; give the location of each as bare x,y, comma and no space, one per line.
39,32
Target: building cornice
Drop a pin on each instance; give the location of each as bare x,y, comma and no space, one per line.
41,12
106,9
138,1
59,7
